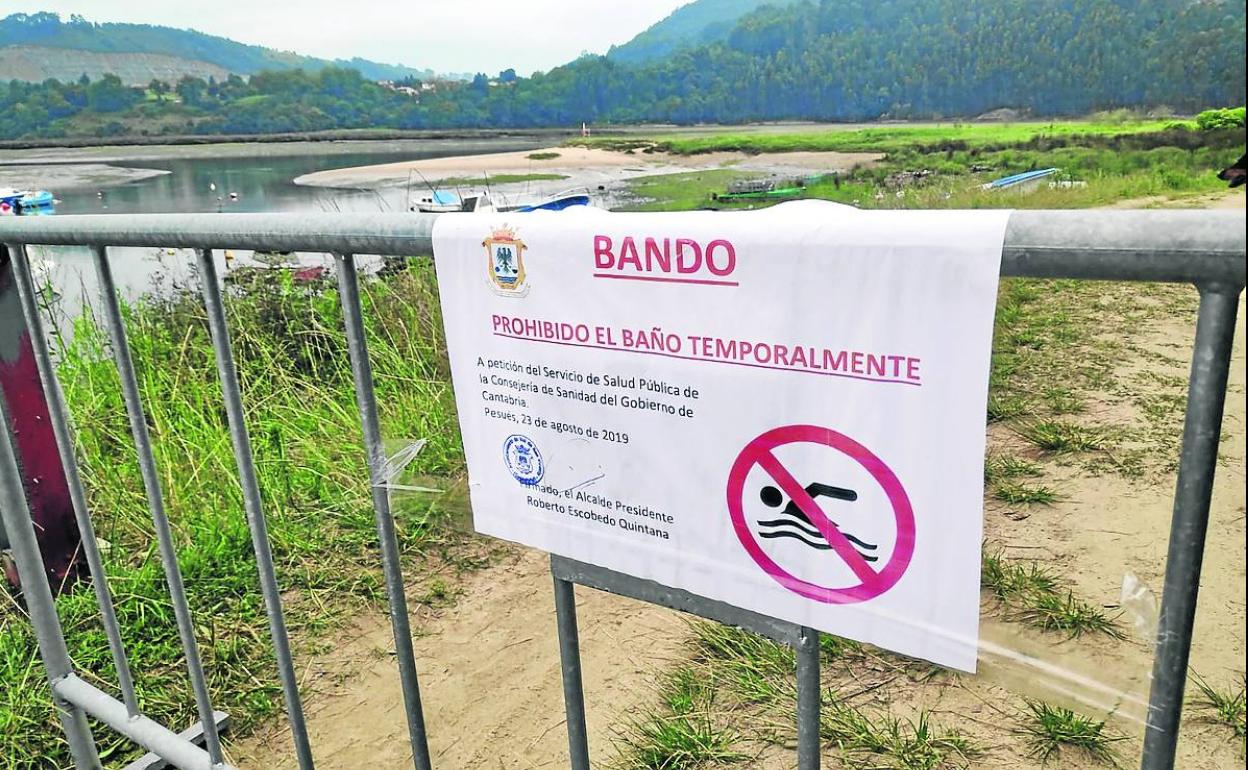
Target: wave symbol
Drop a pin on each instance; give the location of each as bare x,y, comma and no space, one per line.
795,524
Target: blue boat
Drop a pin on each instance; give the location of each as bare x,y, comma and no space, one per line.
1020,179
26,202
563,200
37,198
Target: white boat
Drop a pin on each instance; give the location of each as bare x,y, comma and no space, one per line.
437,202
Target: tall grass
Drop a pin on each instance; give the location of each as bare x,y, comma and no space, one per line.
887,138
1099,164
296,380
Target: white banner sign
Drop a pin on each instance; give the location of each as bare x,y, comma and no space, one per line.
782,410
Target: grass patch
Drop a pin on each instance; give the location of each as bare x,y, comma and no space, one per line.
300,407
884,139
756,669
687,191
890,742
1062,436
687,736
1221,707
1017,493
542,155
485,181
1063,401
1049,730
679,742
740,676
1067,614
1000,467
1033,594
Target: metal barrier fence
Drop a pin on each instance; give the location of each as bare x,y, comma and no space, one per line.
1205,248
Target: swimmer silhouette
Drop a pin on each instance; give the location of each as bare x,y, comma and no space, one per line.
800,527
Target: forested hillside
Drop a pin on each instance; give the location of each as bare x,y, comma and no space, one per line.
837,60
64,42
864,59
698,23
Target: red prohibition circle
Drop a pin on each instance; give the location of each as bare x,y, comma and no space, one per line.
760,452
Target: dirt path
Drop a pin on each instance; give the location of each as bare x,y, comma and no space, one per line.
489,675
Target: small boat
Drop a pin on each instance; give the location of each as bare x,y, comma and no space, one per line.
761,195
758,190
448,203
437,202
37,198
558,202
1020,181
26,202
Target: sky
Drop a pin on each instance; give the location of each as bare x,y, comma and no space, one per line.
444,35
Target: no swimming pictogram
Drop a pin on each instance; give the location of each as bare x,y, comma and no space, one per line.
810,524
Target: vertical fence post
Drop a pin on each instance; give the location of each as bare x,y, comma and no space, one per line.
570,663
156,502
366,401
808,700
1202,429
43,618
233,397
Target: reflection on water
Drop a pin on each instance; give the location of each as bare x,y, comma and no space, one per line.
211,184
258,184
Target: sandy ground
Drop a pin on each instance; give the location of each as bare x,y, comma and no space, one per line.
489,676
1107,527
79,176
1234,199
583,167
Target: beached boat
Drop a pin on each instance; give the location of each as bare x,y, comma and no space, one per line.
760,195
557,202
437,202
760,189
1025,180
441,202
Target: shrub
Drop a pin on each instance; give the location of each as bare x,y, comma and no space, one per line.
1227,117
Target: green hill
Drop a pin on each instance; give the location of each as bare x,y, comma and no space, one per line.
844,60
698,23
37,46
837,60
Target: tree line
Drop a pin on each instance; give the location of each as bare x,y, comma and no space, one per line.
836,60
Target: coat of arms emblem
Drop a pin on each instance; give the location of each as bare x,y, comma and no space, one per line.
505,260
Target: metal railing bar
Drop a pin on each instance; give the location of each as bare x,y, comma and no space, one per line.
149,734
1176,246
43,618
65,447
1211,358
1171,246
649,591
570,665
809,700
366,401
232,395
388,234
155,499
193,734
